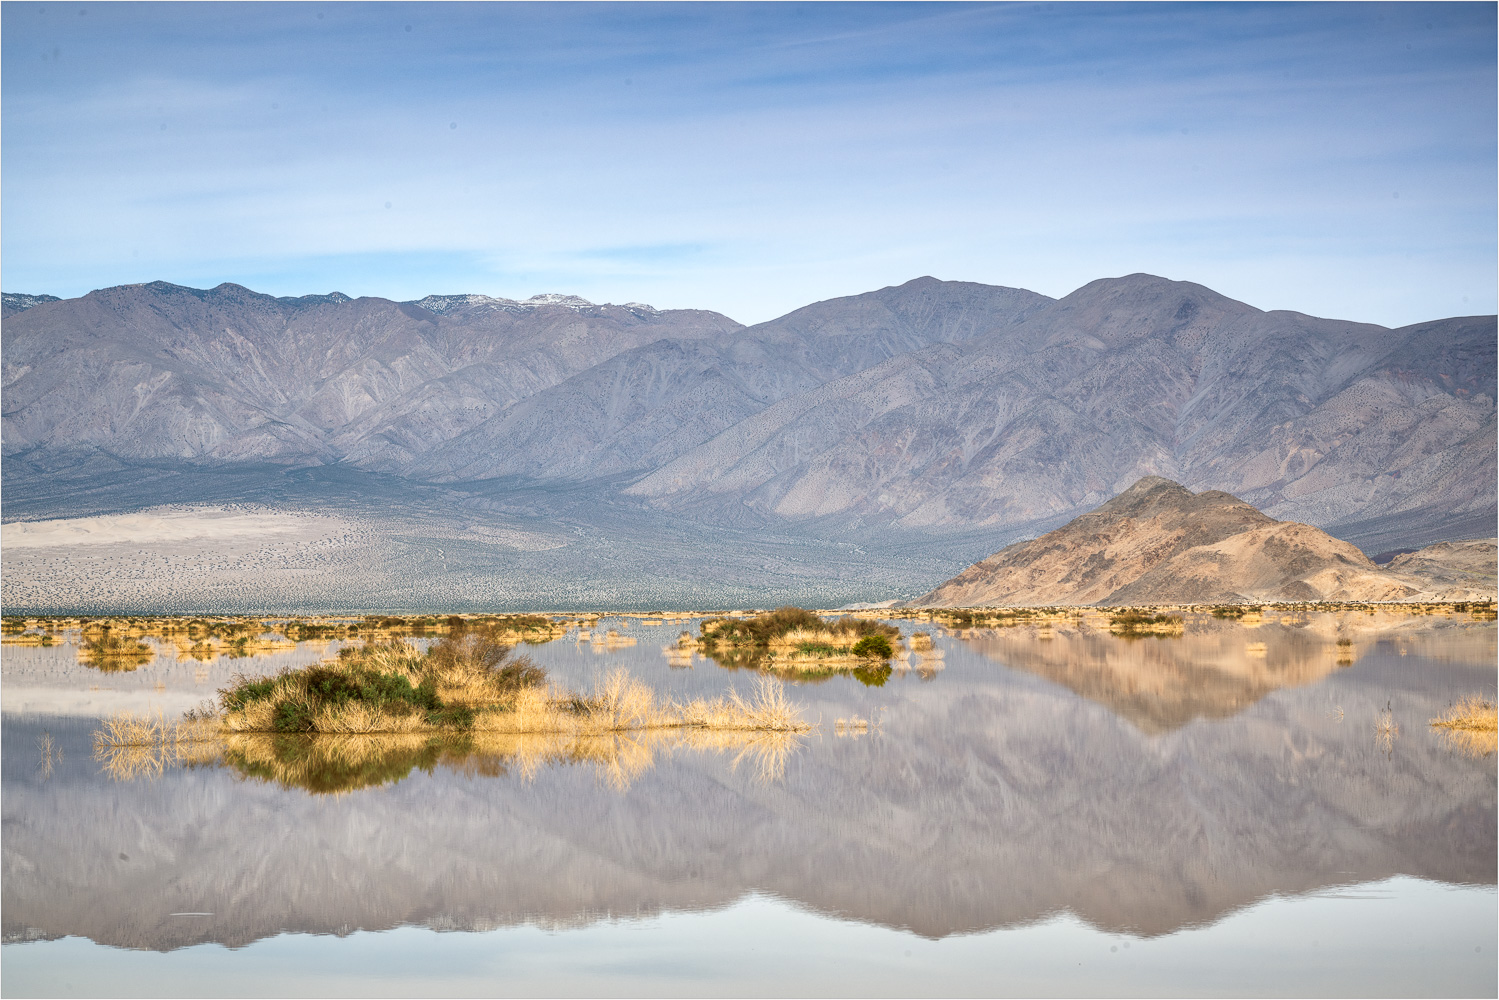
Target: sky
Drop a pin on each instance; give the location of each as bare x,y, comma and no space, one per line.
1339,159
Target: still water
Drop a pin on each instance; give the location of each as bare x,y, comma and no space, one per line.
1031,811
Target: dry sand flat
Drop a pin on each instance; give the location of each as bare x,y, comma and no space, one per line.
237,560
158,526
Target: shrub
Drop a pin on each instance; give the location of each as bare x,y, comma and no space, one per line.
480,651
875,646
244,691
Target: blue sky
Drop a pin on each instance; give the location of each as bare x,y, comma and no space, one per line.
1336,159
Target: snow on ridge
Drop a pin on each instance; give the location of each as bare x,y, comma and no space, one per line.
456,303
21,301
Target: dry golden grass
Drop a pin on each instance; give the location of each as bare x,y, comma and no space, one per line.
136,746
28,639
621,703
1470,726
114,652
854,727
619,728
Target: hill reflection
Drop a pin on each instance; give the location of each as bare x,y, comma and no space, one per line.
987,798
1161,684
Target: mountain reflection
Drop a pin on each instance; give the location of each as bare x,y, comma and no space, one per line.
988,798
1163,683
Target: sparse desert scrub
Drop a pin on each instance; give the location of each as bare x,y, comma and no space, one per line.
1135,623
1471,725
620,703
471,681
134,746
25,638
1235,611
797,643
790,626
961,618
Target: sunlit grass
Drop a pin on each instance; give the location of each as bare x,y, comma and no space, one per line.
1470,726
373,714
1137,623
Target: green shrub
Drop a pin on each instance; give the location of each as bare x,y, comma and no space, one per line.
875,646
246,691
292,717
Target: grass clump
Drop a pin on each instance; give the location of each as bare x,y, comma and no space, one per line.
1470,725
760,630
470,680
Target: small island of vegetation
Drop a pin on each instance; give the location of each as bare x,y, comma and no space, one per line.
796,643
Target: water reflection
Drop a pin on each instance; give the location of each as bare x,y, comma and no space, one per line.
1215,670
342,763
995,796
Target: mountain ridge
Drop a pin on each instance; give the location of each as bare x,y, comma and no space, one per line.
930,409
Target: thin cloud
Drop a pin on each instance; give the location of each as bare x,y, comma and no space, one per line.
813,150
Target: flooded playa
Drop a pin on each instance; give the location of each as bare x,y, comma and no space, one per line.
1041,806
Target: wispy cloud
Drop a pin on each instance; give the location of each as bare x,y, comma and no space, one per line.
1333,158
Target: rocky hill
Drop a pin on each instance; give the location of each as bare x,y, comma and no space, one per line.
1159,543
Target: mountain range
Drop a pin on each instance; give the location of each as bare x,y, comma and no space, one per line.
954,414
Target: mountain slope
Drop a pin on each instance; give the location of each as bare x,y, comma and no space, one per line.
1158,543
639,410
1319,419
153,372
932,408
